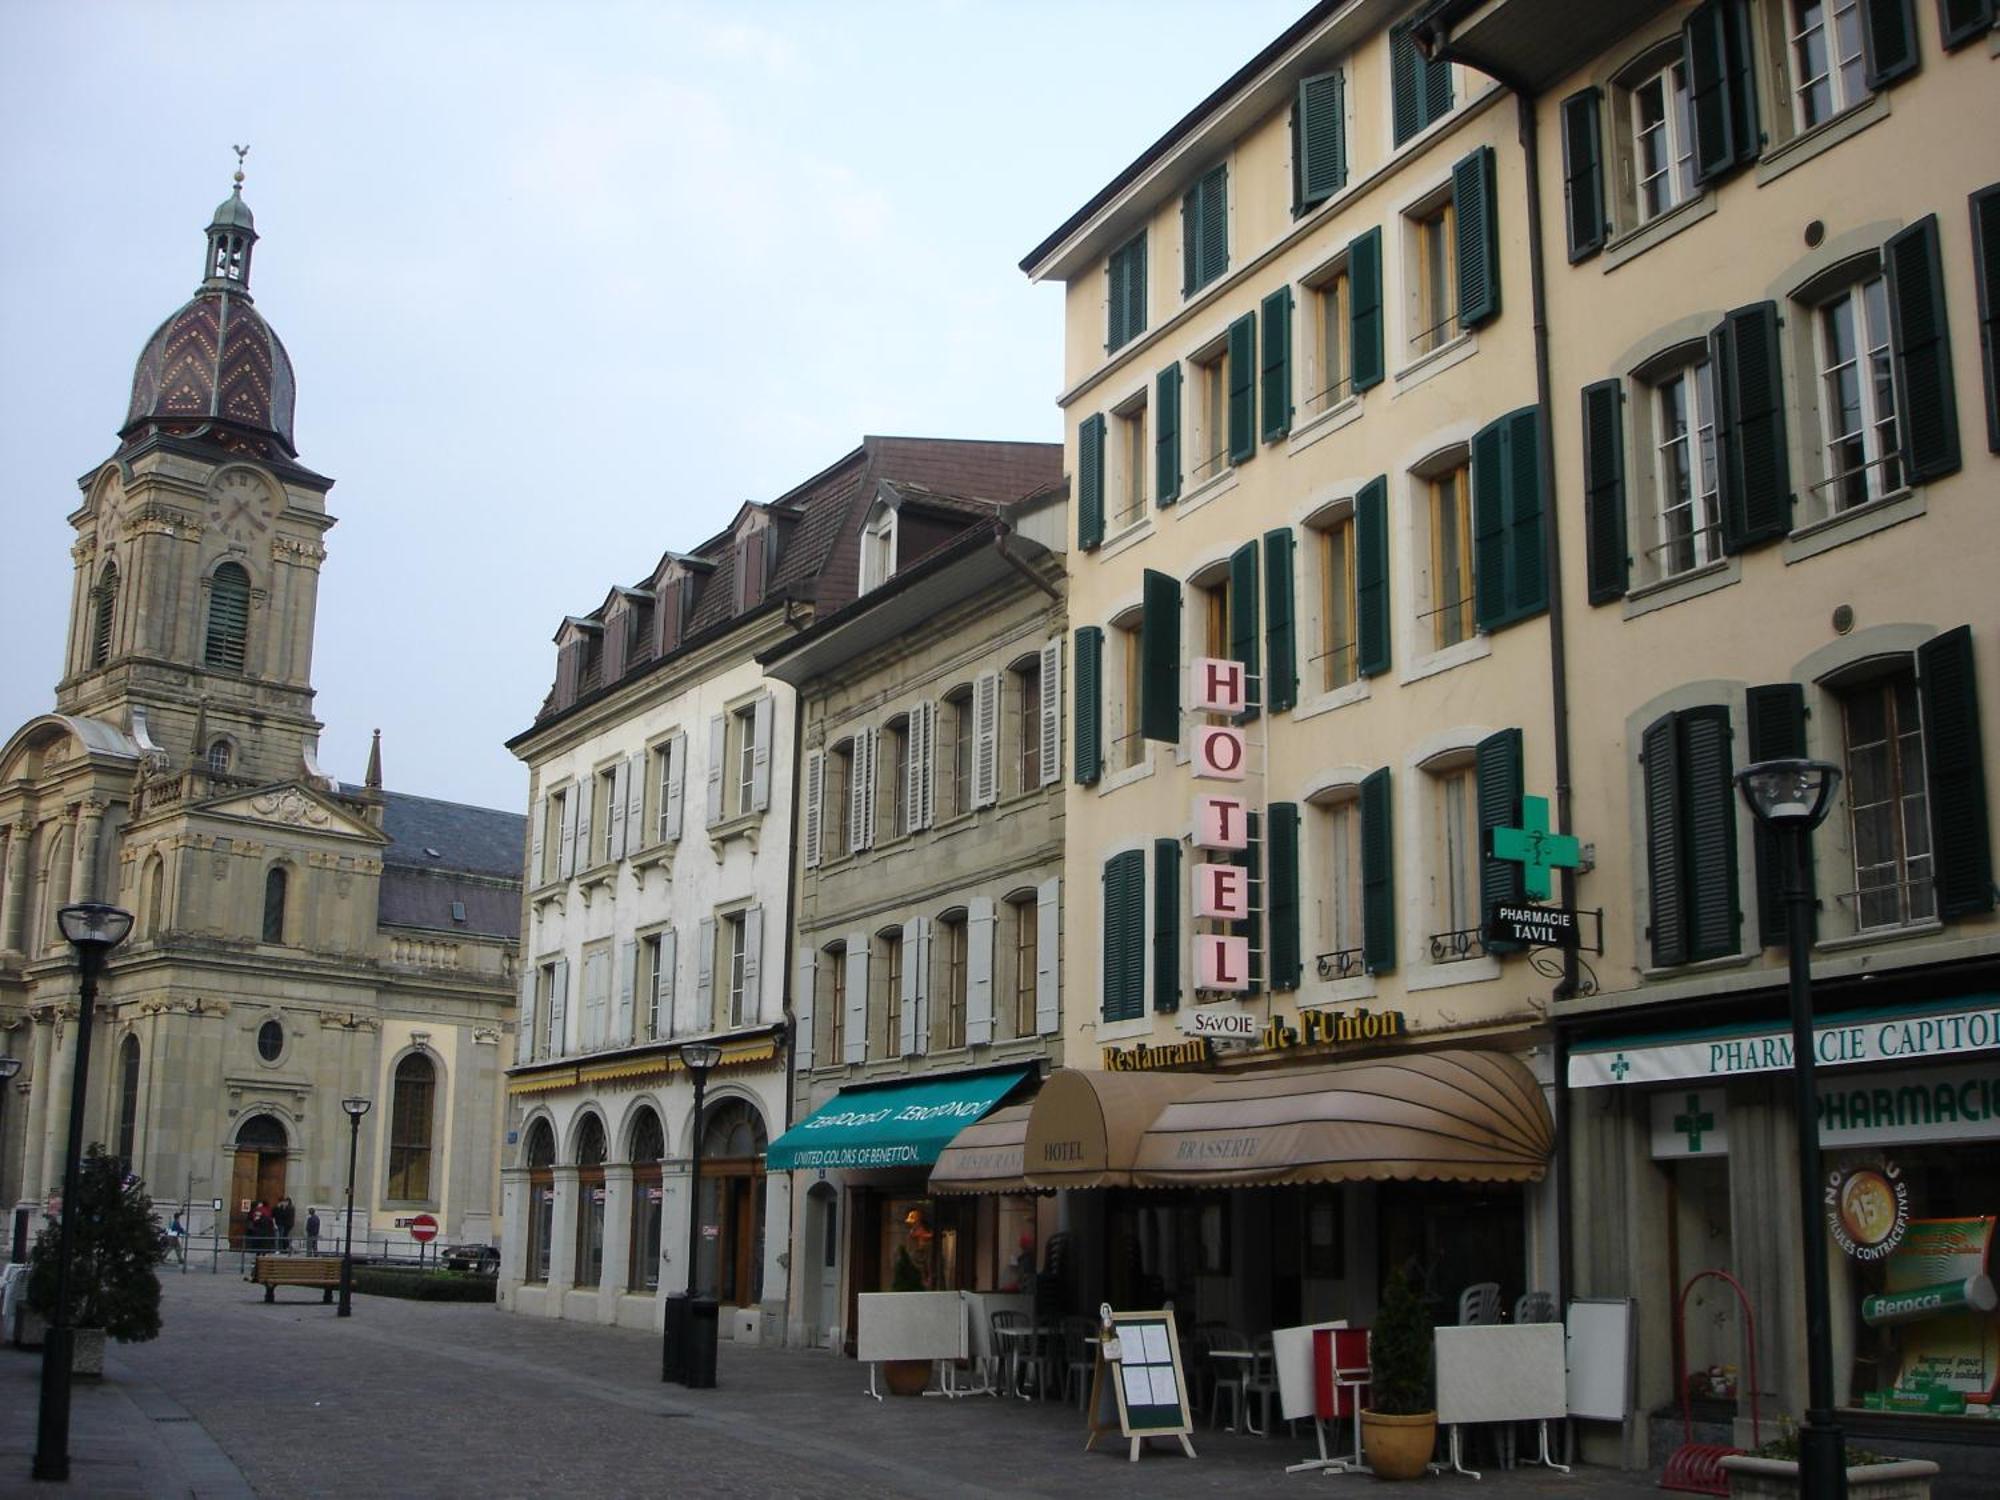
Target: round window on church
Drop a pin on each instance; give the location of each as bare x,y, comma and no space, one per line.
270,1040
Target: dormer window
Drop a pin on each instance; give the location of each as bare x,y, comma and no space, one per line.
878,548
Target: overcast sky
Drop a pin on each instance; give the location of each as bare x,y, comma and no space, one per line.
563,285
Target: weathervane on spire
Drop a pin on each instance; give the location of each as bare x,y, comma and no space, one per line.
241,152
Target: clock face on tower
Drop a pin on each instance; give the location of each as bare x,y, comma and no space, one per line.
240,505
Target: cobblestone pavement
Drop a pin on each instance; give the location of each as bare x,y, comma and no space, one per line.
442,1400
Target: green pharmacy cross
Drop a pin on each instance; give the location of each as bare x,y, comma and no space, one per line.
1535,849
1694,1122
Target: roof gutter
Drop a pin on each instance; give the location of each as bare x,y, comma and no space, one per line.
1000,546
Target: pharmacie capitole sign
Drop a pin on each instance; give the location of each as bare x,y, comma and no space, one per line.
1951,1102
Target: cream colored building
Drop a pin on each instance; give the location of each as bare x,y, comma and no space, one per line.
296,940
1299,401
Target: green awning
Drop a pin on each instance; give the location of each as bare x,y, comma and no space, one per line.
903,1124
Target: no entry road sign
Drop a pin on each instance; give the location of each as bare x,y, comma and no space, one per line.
423,1229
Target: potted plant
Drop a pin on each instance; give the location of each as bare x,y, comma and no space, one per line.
906,1377
1772,1473
1399,1425
114,1245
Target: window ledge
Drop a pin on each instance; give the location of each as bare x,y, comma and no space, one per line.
1329,421
596,875
1316,994
744,826
544,895
1478,648
1453,351
1325,703
1112,781
1800,149
1207,490
1683,586
1854,524
1720,965
1443,976
1634,243
1127,539
1929,927
1126,1030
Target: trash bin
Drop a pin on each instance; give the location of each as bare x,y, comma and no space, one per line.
673,1342
704,1318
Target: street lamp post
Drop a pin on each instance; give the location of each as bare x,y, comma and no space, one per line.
1791,798
93,929
678,1359
356,1107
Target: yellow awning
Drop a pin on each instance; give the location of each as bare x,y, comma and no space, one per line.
541,1083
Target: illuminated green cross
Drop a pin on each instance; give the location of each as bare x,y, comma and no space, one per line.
1534,848
1694,1122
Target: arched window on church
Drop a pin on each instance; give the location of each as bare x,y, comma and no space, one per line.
274,904
410,1130
219,757
156,895
128,1099
107,602
228,618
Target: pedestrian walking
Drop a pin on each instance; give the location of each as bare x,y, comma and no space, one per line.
312,1230
178,1231
282,1219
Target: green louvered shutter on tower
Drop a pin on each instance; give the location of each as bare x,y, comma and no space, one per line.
1277,364
1281,665
1920,337
1756,478
1160,658
1489,524
1167,437
1985,206
1371,577
1089,675
1775,729
1608,562
1125,936
228,618
1583,173
1364,310
1243,389
1497,770
1888,40
1243,621
1090,482
1166,924
1378,875
1955,766
1286,960
1714,922
1476,213
1319,139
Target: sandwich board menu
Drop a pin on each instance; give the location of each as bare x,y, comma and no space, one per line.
1136,1381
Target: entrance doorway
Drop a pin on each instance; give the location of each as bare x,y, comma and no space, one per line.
730,1253
259,1172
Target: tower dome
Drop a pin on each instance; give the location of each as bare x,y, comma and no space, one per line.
215,370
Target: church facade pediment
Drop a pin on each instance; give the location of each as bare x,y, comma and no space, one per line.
290,805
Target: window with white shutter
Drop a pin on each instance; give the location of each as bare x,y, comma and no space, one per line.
704,976
676,793
986,739
537,826
628,978
854,1020
805,1006
566,800
1051,725
1048,972
614,827
760,755
815,787
718,753
980,925
750,1012
635,804
524,1023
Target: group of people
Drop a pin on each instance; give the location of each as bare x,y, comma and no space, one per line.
268,1227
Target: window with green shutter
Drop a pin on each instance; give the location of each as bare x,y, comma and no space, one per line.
1420,90
1756,475
1243,389
1205,230
1243,621
1510,575
1985,206
1498,775
1583,173
1926,399
1125,296
1888,40
1281,664
1160,658
1477,217
1962,21
1089,715
1690,797
1090,482
1364,310
1277,364
1722,95
1319,140
1251,861
1287,964
1371,576
228,618
1125,936
1166,924
1167,436
1378,875
1605,554
1956,765
1774,723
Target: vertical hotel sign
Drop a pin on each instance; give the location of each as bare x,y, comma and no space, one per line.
1222,827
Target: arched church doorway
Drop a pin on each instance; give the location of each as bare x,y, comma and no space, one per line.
261,1152
730,1254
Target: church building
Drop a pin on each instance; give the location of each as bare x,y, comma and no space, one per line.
295,941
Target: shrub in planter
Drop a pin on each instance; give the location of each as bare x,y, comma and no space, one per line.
1399,1424
424,1286
114,1245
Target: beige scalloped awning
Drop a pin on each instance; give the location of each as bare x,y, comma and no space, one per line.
1085,1125
985,1157
1457,1116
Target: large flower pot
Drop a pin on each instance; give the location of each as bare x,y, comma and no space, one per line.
906,1377
86,1352
1398,1447
1778,1479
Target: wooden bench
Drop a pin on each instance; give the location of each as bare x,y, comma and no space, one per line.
274,1271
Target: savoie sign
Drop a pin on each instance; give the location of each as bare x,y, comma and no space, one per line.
1883,1037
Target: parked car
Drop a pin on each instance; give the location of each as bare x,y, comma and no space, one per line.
480,1260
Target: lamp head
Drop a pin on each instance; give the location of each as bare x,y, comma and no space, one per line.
94,924
9,1066
1789,793
356,1106
699,1057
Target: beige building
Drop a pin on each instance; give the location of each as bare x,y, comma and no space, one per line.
295,940
927,947
1300,409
